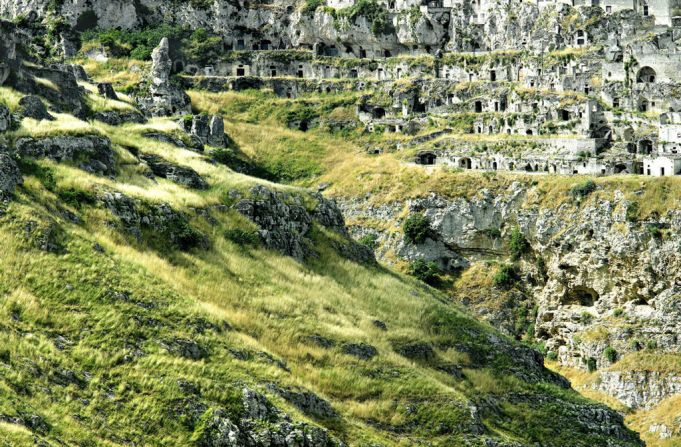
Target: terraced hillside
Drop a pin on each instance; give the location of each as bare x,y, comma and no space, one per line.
345,222
151,295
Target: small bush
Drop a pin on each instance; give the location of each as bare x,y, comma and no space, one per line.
505,277
654,232
45,175
583,189
416,228
183,236
242,237
540,264
651,344
518,243
586,318
492,233
618,312
636,345
369,240
312,5
425,271
77,197
632,213
611,354
552,355
591,365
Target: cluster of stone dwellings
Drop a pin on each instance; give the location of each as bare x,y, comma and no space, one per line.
600,97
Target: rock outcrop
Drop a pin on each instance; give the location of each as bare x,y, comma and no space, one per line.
165,97
10,175
604,283
91,153
285,223
182,175
33,107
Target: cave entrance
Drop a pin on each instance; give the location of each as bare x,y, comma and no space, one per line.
580,295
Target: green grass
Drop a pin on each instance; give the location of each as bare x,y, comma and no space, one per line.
82,329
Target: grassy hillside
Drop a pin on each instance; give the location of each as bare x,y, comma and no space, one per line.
113,338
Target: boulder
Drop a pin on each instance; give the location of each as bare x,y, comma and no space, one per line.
10,175
106,90
305,401
116,118
217,131
220,431
188,349
92,153
179,174
283,223
415,350
172,227
5,119
33,107
201,127
360,350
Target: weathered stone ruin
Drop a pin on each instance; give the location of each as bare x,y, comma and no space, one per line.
549,87
165,98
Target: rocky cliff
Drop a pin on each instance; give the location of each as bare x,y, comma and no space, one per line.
602,280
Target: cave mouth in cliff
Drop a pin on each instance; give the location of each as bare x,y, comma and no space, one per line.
581,295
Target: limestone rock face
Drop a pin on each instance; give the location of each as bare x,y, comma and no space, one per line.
283,226
161,64
608,280
285,223
639,389
217,131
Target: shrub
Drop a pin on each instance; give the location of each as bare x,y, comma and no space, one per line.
591,365
45,175
654,232
651,344
583,189
633,211
76,197
505,277
611,354
518,243
540,264
369,240
552,355
618,312
374,12
416,228
425,271
492,233
141,53
312,5
242,237
636,345
182,235
586,318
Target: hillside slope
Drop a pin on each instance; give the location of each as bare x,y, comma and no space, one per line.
153,296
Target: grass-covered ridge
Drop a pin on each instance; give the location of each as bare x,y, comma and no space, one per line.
91,318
